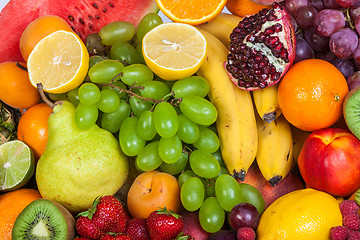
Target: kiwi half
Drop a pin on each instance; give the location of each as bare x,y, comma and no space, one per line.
43,219
351,111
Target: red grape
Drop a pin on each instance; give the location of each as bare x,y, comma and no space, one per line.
329,21
353,80
346,3
317,4
343,42
244,215
332,4
303,50
223,235
325,55
305,16
316,41
293,5
345,66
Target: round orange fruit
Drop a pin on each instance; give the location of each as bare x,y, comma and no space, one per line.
243,8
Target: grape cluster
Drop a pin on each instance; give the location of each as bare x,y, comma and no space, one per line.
328,30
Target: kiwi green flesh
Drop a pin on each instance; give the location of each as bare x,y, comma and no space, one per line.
40,220
352,112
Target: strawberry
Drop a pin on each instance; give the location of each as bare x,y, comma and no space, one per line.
121,236
136,227
164,225
107,236
124,237
86,228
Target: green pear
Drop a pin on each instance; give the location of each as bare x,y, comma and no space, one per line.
79,165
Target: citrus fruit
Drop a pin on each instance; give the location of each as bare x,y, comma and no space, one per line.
174,50
16,89
38,29
33,128
193,12
17,165
59,62
11,205
302,214
311,94
243,8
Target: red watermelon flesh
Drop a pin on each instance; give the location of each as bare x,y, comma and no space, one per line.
84,16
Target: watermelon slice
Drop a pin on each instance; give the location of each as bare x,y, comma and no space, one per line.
84,16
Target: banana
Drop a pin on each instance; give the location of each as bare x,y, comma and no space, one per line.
266,103
221,26
236,124
299,137
275,151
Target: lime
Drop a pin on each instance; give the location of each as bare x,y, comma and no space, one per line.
17,165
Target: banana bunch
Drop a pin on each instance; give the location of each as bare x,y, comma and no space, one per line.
266,103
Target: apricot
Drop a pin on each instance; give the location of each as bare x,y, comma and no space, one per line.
153,190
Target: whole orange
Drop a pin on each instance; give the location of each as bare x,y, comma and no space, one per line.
16,89
243,8
311,94
11,205
33,128
38,29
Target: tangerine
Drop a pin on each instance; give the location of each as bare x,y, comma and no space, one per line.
33,128
311,94
243,8
11,205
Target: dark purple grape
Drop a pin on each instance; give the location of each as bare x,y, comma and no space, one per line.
316,41
356,54
305,16
343,42
328,21
346,3
293,5
325,55
356,64
355,12
303,50
223,235
357,24
317,4
294,23
353,80
345,66
244,215
331,4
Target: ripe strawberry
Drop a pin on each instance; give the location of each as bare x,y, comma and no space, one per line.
124,237
136,227
107,236
86,228
164,225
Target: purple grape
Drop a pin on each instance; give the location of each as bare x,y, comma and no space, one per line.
316,41
356,54
293,5
331,4
223,235
317,4
357,24
328,21
345,66
305,16
353,80
325,55
346,3
355,12
343,42
303,50
356,64
244,215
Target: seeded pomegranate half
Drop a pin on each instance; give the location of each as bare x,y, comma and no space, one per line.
262,49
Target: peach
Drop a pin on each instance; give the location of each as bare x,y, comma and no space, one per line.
153,190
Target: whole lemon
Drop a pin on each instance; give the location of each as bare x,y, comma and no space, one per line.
305,214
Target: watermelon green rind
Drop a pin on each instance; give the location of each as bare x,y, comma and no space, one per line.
82,16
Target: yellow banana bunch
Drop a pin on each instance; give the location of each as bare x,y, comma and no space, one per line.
275,151
222,26
236,124
266,103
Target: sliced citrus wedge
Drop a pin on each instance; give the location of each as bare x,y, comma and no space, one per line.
17,165
174,50
59,62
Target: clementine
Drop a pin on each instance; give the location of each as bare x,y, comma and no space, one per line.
11,205
311,94
33,128
243,8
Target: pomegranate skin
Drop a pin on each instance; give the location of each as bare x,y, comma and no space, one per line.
329,161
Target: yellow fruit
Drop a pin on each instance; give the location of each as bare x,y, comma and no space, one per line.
305,214
174,50
59,62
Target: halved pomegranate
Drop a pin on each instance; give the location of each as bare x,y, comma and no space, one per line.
262,48
266,2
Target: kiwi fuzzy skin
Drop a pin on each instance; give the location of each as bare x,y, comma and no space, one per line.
347,98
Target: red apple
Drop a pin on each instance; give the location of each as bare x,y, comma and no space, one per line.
329,161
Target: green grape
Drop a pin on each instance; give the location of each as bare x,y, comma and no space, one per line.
170,149
192,194
357,196
185,176
58,96
198,109
125,52
211,215
139,50
138,105
193,85
73,96
148,22
116,31
112,121
204,164
130,141
154,90
89,94
223,170
136,74
146,126
116,87
188,131
105,71
109,101
218,157
86,116
176,167
166,119
251,195
227,191
148,158
207,141
210,187
94,45
94,60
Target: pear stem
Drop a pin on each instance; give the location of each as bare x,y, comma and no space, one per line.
43,96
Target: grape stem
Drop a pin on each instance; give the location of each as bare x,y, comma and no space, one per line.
348,18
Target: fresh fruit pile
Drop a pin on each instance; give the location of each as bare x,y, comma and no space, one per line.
214,125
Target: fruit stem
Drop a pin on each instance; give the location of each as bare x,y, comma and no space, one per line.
43,96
